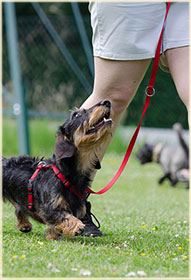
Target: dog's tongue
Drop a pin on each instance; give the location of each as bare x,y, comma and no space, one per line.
100,123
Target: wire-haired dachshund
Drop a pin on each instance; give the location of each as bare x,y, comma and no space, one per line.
54,191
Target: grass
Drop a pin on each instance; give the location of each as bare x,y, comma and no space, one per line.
145,229
42,138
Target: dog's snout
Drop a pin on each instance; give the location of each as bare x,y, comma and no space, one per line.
106,103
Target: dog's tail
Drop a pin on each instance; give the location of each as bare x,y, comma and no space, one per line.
178,128
6,192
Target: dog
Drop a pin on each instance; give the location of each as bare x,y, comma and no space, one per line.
171,158
27,179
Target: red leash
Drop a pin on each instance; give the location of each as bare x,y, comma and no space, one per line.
150,91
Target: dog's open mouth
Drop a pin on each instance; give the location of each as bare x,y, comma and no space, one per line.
102,122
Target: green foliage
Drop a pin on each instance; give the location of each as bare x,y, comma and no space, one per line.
145,229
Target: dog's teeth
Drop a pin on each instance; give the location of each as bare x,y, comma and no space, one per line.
107,120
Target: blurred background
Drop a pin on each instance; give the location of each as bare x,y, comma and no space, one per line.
48,70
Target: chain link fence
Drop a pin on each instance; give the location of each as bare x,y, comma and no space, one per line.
49,82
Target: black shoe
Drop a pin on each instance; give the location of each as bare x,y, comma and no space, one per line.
90,228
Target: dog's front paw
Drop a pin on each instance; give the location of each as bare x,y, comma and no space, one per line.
80,230
25,228
71,226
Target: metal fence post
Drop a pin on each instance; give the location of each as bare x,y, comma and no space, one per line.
19,107
83,35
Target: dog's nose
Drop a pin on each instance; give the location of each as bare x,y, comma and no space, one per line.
106,103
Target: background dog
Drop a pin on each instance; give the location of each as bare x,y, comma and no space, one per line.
172,158
75,155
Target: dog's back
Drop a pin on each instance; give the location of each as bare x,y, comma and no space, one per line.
15,170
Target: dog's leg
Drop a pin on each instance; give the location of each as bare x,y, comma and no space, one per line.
173,177
52,233
59,220
173,181
166,176
23,223
70,226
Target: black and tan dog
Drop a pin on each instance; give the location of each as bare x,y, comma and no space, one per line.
75,155
172,158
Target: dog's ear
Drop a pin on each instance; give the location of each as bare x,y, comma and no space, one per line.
63,148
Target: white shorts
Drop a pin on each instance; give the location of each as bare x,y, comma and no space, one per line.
131,30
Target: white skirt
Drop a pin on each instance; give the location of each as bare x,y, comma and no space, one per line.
131,30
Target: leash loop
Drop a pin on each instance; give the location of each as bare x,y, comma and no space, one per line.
150,91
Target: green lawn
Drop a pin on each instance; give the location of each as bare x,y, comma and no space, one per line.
145,229
42,138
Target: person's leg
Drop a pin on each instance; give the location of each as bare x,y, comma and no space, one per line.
118,82
124,40
178,62
175,46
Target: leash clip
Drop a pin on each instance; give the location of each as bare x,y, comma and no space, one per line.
42,164
149,91
30,185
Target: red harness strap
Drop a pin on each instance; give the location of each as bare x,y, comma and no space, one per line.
60,176
150,91
65,182
29,187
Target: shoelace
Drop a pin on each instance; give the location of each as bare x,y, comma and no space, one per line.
88,219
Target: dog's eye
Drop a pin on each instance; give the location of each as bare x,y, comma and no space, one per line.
76,115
